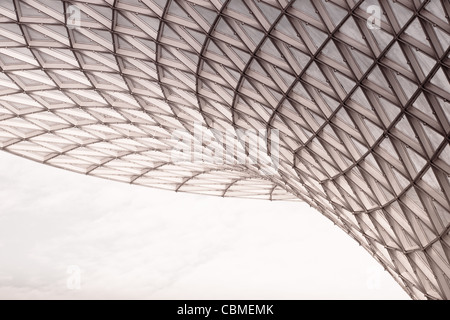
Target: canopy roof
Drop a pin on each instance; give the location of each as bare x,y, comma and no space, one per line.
360,106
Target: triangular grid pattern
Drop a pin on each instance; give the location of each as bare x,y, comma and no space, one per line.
363,114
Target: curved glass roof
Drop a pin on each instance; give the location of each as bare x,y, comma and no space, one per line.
354,94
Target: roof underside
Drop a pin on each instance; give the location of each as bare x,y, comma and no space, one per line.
363,112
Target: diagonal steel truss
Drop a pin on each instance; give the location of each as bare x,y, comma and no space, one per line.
363,113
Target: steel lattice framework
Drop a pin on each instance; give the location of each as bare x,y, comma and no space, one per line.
363,113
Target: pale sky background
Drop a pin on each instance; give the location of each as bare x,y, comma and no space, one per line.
133,242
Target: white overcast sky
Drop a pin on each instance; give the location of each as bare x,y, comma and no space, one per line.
132,242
